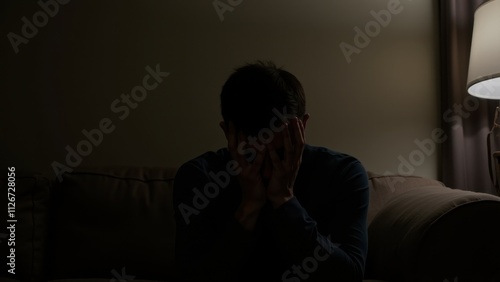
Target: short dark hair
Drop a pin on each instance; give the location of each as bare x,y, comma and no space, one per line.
250,94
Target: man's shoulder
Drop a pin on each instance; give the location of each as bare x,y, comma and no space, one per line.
318,160
333,166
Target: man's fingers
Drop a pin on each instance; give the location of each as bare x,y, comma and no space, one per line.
300,135
259,159
288,154
299,138
275,159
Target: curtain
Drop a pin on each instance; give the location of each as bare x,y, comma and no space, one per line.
466,120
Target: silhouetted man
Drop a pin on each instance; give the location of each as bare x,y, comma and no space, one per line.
270,207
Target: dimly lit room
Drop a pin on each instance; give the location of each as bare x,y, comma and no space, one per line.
236,141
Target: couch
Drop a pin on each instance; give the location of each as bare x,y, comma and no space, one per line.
116,224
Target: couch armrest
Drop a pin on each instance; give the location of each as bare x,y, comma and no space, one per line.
433,233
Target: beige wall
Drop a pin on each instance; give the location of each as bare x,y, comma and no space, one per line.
65,78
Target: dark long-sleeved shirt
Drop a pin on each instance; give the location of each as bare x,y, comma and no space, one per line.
319,235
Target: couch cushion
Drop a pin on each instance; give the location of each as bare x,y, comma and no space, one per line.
31,212
113,218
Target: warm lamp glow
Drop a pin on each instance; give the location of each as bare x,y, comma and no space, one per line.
484,65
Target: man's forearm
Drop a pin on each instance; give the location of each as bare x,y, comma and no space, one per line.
301,241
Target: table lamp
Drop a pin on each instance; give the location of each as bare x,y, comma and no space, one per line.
483,80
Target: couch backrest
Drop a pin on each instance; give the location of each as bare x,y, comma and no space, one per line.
113,220
384,187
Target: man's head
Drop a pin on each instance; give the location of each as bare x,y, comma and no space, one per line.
257,97
254,92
